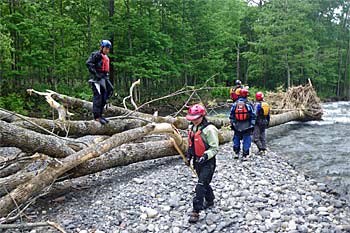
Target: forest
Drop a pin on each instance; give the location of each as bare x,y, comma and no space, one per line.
169,44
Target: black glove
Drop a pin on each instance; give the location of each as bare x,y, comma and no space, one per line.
203,159
233,127
188,158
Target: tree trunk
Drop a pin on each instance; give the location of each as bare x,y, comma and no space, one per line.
120,156
80,128
11,135
27,190
280,119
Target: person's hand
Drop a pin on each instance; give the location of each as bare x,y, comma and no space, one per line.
233,127
188,159
203,159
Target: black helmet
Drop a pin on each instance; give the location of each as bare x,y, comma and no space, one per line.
238,82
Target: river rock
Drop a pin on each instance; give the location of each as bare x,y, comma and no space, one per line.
275,214
138,180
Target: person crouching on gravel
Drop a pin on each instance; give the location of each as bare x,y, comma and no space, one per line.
203,144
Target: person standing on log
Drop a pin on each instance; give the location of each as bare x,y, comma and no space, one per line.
234,91
242,119
262,110
102,88
203,144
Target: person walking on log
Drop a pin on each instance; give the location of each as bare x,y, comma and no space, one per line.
102,88
203,144
242,119
262,110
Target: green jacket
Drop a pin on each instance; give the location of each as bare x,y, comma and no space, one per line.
209,136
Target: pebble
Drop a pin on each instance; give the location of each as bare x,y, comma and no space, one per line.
138,180
151,213
275,214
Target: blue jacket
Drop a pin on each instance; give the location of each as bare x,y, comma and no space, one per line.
243,125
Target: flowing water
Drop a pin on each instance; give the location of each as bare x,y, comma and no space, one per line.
320,148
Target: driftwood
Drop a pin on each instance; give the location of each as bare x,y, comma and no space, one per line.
39,182
67,158
11,135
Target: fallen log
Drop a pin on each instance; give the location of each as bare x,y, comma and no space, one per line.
120,156
39,182
80,128
29,141
280,119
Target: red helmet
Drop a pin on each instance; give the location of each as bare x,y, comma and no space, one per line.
259,96
195,111
244,92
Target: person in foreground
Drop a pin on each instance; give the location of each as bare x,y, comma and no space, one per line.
98,65
203,144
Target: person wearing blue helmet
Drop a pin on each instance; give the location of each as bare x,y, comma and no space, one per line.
98,65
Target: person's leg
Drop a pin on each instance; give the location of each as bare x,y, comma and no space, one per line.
209,196
103,100
256,136
96,102
236,142
263,138
247,140
203,190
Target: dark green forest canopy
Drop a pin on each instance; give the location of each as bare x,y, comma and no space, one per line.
172,43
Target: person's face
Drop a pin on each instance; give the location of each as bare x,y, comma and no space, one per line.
197,121
105,50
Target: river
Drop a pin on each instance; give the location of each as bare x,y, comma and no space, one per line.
321,149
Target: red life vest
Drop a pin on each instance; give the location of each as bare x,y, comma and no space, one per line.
105,63
196,145
241,112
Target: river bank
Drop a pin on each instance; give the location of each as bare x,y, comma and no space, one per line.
263,194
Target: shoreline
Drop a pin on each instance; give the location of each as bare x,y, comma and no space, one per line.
263,194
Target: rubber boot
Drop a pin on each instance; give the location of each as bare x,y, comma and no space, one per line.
194,217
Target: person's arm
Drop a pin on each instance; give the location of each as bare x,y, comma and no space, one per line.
212,138
232,115
91,63
252,116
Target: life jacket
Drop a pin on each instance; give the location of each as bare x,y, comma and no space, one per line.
196,145
105,63
265,107
241,111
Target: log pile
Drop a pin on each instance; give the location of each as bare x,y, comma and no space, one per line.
54,150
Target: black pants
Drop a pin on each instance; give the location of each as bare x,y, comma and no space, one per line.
259,136
99,101
203,189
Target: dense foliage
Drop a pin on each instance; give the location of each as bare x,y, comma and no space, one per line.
172,43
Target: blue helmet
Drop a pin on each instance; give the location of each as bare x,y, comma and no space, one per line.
106,43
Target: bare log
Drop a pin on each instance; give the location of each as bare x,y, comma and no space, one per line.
280,119
24,191
120,156
11,135
80,128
